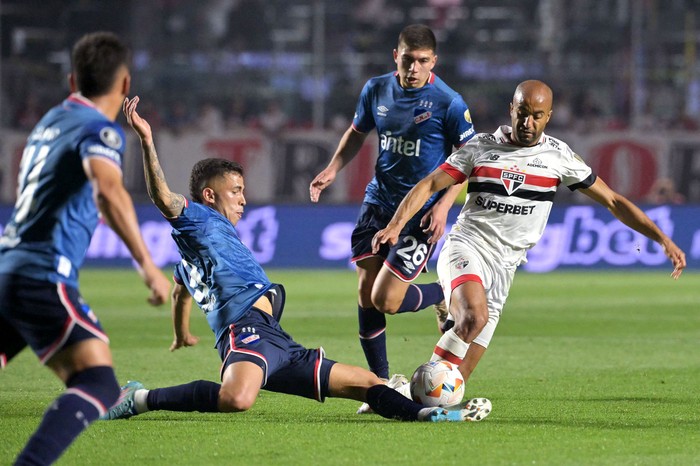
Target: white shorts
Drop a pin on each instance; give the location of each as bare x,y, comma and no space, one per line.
461,261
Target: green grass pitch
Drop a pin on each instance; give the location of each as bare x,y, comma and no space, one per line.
586,368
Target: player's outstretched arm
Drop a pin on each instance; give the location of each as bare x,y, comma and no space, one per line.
349,146
181,307
169,203
412,203
632,216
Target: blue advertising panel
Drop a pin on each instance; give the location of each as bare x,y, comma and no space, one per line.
318,236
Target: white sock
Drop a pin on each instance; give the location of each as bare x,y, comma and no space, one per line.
405,390
424,413
450,347
140,401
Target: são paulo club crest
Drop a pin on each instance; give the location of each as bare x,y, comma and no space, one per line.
512,180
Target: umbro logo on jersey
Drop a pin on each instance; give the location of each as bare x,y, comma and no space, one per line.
494,157
512,180
409,266
382,111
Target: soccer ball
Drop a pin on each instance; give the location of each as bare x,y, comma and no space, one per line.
437,383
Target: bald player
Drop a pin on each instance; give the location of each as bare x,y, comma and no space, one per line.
513,175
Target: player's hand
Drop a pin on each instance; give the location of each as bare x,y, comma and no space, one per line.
433,222
184,341
321,182
157,282
386,236
677,257
141,126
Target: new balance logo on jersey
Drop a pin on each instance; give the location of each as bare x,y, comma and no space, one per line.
399,145
512,180
382,111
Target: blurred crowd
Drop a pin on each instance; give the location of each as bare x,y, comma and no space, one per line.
220,65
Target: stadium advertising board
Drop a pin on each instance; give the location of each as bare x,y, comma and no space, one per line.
281,168
309,236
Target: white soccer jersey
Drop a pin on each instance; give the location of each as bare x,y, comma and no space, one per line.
511,189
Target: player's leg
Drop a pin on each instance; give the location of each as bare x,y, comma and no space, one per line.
240,386
393,295
469,308
65,335
372,323
393,291
309,374
246,357
462,274
91,388
356,383
475,303
11,342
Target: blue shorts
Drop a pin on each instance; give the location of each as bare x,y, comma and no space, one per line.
287,366
46,316
407,258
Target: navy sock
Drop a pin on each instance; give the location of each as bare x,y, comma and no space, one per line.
421,296
89,394
200,395
373,340
389,403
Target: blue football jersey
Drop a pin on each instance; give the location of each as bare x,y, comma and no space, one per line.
417,130
217,269
55,215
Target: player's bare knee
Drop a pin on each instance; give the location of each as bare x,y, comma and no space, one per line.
386,307
232,402
480,320
384,303
470,324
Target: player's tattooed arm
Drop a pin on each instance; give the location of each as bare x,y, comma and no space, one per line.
169,203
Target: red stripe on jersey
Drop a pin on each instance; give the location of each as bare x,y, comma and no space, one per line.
357,129
431,79
79,99
446,355
453,172
470,277
532,180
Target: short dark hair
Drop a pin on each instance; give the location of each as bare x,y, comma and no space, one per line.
96,58
418,36
207,169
